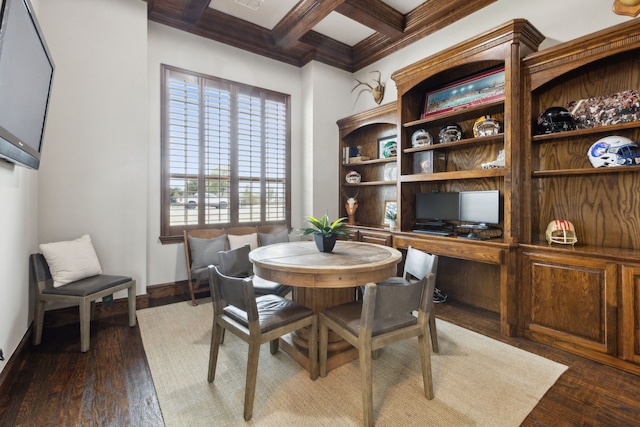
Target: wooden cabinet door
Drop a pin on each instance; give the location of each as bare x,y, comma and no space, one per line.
570,302
630,316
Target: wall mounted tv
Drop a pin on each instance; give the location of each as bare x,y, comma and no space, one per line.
480,208
436,207
26,76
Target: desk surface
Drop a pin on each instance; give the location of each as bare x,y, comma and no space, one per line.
301,264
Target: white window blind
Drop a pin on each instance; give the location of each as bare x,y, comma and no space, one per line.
226,153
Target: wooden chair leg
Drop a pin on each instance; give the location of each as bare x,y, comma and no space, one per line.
192,292
216,333
366,383
425,361
274,345
85,324
252,376
39,321
433,332
323,340
131,292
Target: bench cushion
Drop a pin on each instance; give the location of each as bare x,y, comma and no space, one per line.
88,286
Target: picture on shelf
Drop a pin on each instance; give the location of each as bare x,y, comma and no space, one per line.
476,90
387,147
390,212
606,110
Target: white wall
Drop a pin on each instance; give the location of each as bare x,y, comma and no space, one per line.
100,166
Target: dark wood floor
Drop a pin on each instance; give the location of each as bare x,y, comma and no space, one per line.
111,384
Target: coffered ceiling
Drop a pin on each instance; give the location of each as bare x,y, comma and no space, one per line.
347,34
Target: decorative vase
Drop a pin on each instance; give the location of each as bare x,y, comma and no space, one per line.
325,243
392,224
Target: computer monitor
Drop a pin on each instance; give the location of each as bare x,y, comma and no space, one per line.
480,208
436,207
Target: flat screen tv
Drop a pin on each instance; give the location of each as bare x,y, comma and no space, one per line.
26,76
480,208
436,207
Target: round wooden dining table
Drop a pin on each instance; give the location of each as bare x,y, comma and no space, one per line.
321,280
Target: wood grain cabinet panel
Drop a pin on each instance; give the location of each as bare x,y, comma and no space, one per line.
630,324
571,302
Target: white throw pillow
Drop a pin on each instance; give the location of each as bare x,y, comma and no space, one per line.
239,241
72,260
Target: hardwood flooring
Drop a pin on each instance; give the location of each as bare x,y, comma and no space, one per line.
111,384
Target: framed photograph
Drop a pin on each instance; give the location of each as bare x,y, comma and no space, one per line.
621,107
475,90
388,147
390,206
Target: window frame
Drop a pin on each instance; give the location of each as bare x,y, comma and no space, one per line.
174,234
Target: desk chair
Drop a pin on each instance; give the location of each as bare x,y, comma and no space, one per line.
382,318
416,265
255,320
83,293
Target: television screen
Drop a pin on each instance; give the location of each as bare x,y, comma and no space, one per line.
26,75
480,207
436,206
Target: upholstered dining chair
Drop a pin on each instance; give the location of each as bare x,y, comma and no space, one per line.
416,265
201,247
383,317
255,320
236,263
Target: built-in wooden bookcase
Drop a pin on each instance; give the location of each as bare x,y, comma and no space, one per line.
378,175
583,298
460,167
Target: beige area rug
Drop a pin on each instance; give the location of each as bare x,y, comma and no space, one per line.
478,381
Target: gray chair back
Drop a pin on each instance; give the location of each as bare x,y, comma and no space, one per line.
235,262
235,291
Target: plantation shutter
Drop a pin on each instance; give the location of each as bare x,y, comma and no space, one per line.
226,149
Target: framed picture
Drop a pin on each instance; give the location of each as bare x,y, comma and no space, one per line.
621,107
387,147
475,90
428,162
390,206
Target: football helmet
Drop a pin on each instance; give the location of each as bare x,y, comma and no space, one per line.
561,231
353,177
486,125
450,133
555,119
614,151
420,138
390,149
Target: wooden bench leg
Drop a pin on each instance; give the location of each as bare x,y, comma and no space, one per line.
132,304
85,324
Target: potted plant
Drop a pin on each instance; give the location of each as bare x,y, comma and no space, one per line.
392,217
325,232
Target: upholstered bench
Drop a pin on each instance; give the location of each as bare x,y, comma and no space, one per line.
83,293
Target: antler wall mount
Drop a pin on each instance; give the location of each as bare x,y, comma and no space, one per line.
377,90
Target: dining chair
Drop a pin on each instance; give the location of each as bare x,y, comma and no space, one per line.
201,247
255,320
416,265
383,317
236,263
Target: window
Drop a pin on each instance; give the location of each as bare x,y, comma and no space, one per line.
225,154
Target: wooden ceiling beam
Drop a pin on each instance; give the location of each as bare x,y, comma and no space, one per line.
194,9
301,19
374,14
